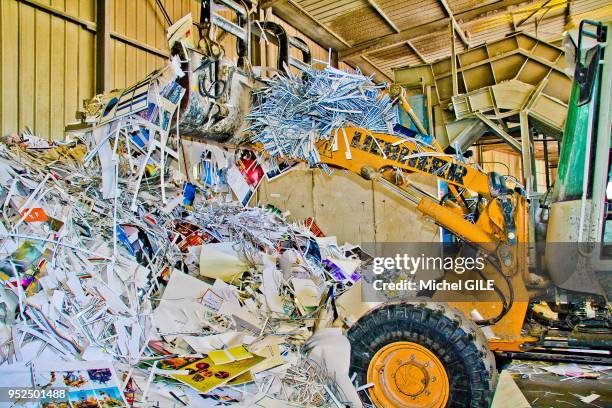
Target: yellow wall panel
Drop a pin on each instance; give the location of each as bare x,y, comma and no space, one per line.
130,65
9,74
87,85
86,9
58,78
49,62
140,20
150,24
27,63
130,19
42,70
118,16
119,67
71,71
47,65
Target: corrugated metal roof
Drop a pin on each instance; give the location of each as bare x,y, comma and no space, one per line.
549,29
459,6
437,45
592,9
387,59
362,24
584,6
326,10
407,14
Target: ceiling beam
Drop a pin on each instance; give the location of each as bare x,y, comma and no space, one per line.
416,51
512,142
375,68
268,3
384,16
523,21
455,24
307,24
391,40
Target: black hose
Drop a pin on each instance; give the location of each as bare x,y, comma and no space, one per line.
205,92
506,306
201,82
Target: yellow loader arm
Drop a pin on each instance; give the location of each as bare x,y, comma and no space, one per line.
500,212
483,211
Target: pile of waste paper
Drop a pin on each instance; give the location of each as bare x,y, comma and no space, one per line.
131,277
143,303
294,112
134,273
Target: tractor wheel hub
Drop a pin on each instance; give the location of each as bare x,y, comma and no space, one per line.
406,374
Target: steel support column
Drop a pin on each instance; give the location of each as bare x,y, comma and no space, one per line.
103,35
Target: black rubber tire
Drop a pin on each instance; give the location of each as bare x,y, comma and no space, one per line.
459,344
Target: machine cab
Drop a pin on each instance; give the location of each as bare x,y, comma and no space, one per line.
581,209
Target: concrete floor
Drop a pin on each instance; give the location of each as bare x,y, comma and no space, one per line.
547,390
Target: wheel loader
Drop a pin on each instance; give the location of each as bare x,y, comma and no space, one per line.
434,354
431,353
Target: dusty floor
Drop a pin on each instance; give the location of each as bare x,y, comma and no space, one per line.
544,389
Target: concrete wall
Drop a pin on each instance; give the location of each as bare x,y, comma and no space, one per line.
351,208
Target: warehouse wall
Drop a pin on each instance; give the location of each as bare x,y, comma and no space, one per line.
140,20
47,64
509,163
47,50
